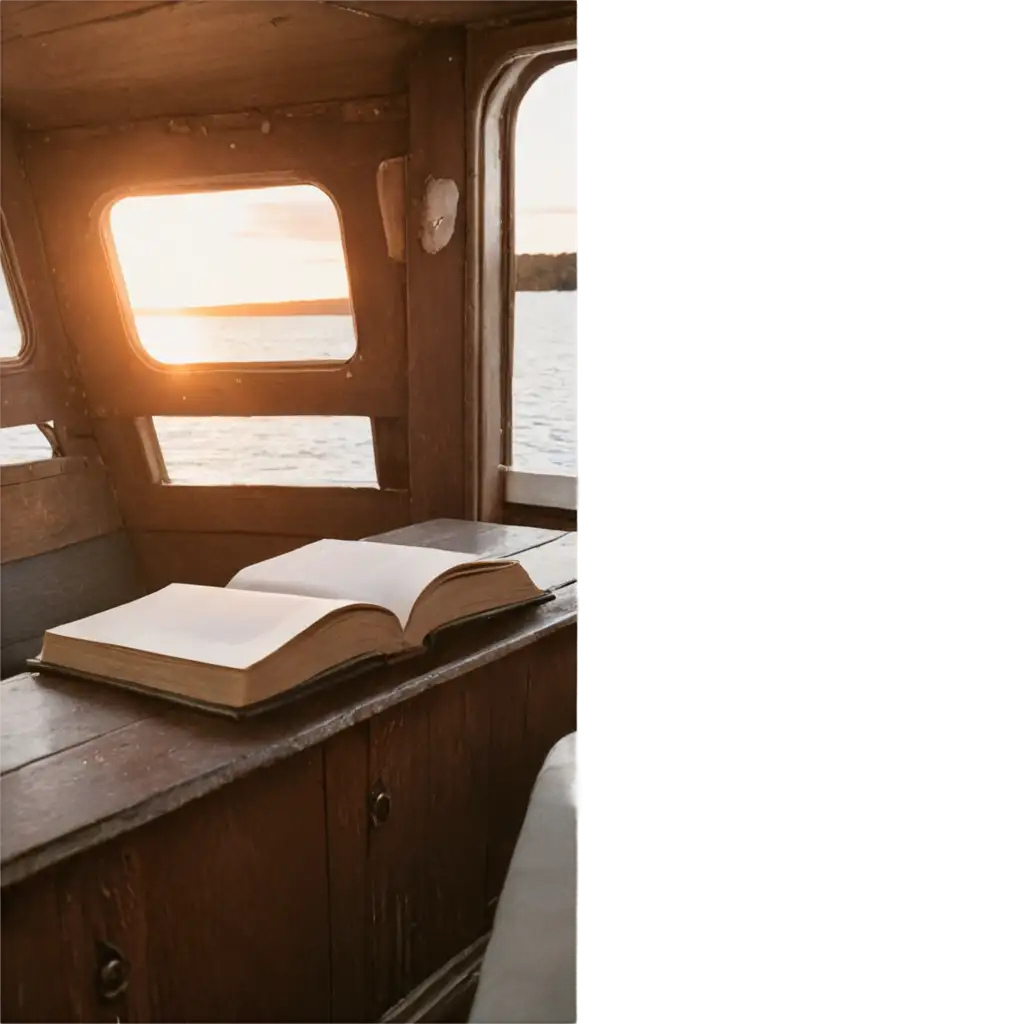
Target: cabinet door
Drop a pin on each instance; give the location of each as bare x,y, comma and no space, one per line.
217,911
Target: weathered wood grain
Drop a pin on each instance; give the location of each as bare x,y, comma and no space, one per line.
209,559
168,58
348,512
346,781
200,904
436,282
397,893
37,722
52,512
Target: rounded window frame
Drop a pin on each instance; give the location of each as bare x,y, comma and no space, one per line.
102,212
19,302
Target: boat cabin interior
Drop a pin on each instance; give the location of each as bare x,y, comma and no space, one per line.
271,282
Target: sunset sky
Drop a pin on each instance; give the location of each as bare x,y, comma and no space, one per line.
272,245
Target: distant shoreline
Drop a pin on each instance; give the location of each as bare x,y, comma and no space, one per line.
302,307
538,272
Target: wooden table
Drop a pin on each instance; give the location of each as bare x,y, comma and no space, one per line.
315,863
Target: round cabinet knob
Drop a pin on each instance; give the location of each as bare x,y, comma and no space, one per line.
113,973
380,804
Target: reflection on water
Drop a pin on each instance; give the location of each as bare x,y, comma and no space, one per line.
330,450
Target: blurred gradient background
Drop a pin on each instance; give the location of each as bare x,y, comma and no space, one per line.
803,471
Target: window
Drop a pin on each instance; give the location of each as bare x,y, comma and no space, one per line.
311,451
244,276
544,319
12,339
24,444
241,276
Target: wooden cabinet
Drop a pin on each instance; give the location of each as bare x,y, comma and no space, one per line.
318,863
214,912
324,887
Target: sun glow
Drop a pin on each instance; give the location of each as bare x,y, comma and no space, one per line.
221,248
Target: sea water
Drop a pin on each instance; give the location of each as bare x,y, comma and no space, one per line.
210,450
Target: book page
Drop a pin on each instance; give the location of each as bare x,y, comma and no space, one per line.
391,575
230,628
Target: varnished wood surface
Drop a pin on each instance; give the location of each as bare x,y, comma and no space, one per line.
436,357
83,764
218,910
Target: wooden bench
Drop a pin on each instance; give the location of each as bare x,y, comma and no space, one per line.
321,862
64,551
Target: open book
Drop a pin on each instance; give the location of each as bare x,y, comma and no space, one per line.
284,622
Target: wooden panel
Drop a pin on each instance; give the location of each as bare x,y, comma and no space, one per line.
31,394
509,780
322,147
44,384
52,512
220,912
533,705
31,960
244,931
210,559
23,472
399,900
436,283
346,512
25,19
347,787
168,59
459,738
551,704
61,586
97,901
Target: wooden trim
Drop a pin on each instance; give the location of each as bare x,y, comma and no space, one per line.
46,386
16,290
338,155
450,988
542,490
436,282
345,512
208,559
30,394
52,512
23,472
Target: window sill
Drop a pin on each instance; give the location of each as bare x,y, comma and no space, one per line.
540,490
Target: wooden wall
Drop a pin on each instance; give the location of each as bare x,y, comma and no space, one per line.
63,550
306,110
279,897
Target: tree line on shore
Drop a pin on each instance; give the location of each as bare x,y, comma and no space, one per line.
546,272
535,272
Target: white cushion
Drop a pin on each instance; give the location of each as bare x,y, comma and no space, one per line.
529,969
